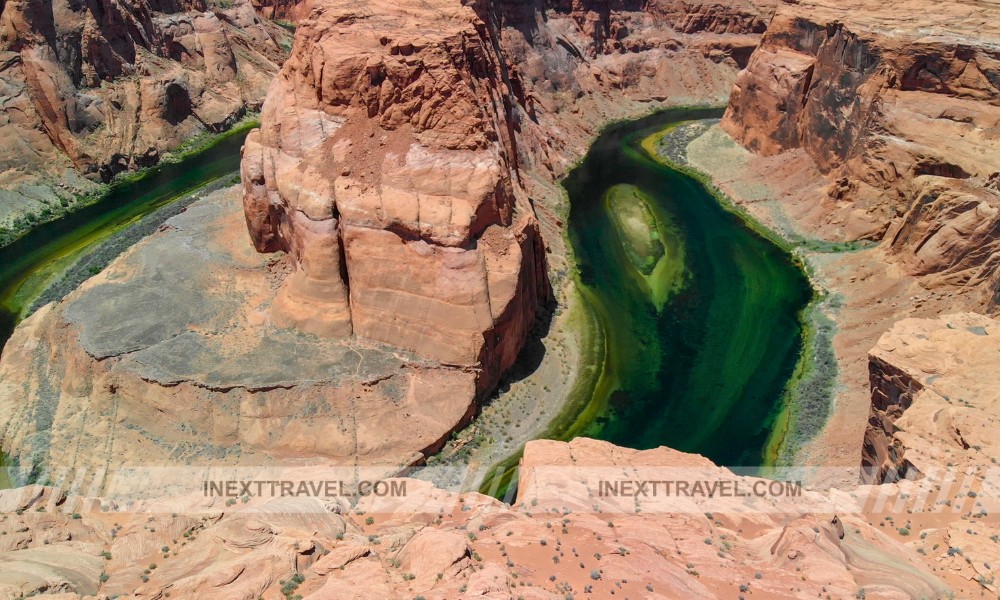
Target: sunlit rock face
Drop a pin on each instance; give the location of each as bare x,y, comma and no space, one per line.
107,86
899,109
384,167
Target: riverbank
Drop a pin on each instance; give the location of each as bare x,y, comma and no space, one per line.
39,260
597,394
60,200
864,293
57,257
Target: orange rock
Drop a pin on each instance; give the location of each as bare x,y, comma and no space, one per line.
898,109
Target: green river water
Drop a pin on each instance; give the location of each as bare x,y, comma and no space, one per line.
706,372
694,316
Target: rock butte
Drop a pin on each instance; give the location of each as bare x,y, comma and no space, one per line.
404,165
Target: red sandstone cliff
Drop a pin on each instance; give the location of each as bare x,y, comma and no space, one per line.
101,87
282,10
899,109
384,166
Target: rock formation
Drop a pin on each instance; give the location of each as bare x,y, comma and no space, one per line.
401,190
933,396
899,109
556,541
935,407
405,166
384,166
282,10
101,87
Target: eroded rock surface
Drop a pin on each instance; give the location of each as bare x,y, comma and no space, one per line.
168,357
932,427
934,398
96,88
432,543
899,110
381,166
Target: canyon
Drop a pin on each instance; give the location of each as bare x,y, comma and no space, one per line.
399,231
394,179
95,89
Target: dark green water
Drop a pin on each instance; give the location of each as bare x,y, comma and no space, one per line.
707,373
32,262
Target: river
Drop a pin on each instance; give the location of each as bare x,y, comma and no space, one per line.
32,262
705,371
697,316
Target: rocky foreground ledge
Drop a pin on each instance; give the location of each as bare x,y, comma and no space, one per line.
556,541
934,396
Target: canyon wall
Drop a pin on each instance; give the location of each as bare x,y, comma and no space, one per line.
934,401
899,109
932,427
282,10
91,89
406,169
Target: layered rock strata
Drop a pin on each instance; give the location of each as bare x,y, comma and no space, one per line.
935,409
384,167
413,153
899,109
96,88
169,357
